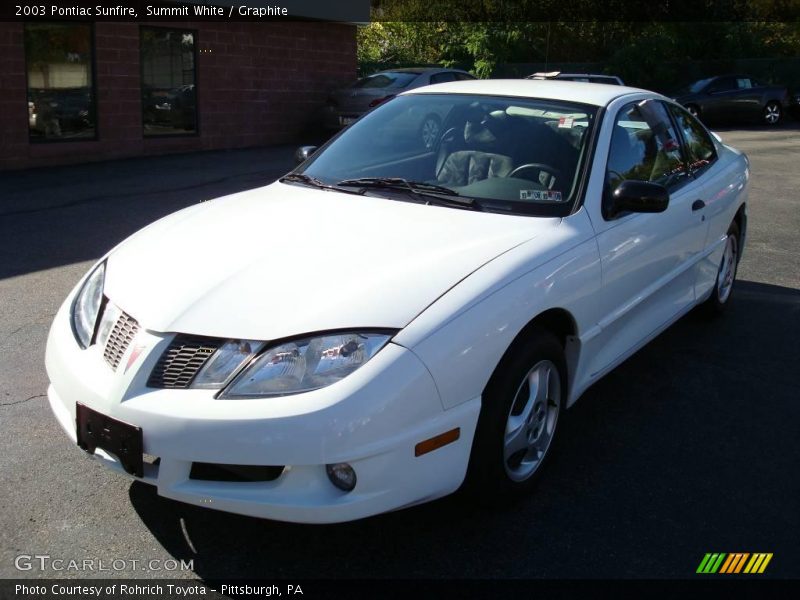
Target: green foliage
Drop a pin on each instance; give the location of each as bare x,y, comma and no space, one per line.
399,42
649,55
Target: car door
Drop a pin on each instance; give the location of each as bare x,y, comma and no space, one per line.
647,260
746,100
716,190
720,98
756,98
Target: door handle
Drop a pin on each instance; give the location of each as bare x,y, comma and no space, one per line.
698,204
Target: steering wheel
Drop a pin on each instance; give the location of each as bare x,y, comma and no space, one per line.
448,136
554,173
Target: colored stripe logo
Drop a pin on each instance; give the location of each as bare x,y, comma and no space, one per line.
735,562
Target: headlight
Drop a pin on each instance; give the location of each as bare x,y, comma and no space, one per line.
87,305
224,363
304,365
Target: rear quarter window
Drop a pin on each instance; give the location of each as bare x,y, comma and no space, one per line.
700,148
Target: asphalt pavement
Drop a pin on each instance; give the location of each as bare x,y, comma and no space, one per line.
691,446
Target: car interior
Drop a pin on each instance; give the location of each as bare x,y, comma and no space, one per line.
489,149
644,150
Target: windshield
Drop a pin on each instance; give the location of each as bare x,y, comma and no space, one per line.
695,87
512,154
389,80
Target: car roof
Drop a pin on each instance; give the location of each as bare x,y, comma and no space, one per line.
597,94
549,76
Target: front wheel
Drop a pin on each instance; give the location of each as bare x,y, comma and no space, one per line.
726,274
521,410
772,113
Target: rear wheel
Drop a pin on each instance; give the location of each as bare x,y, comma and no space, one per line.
429,131
521,410
726,274
772,113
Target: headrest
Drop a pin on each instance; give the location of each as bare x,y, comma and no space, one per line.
485,127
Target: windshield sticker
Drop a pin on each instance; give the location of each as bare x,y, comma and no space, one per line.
566,122
540,195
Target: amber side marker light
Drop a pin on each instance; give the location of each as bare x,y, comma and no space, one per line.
429,445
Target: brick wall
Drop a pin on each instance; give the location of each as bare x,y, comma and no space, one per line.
257,84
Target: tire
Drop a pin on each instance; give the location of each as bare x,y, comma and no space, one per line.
726,274
773,113
694,110
429,131
517,428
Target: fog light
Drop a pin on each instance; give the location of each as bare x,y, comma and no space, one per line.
342,476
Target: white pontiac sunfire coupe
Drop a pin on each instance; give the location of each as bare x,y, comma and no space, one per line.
394,319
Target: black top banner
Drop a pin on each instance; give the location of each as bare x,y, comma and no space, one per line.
349,11
363,11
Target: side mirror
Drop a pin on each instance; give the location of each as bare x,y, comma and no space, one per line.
303,153
638,197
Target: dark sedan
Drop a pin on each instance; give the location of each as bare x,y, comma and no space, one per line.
794,105
344,106
730,97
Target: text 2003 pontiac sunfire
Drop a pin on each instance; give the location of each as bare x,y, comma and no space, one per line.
394,319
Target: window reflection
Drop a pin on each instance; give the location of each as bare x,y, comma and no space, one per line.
644,147
61,95
169,97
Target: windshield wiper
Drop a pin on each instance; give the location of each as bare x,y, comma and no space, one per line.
430,191
312,181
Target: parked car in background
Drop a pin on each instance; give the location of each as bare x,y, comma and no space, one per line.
584,77
344,106
734,97
170,108
794,104
61,112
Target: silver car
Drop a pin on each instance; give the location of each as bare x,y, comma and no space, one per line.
346,105
584,77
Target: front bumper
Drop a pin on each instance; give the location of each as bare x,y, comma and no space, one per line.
372,420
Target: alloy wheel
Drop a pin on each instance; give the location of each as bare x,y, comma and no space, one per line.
430,131
532,420
727,269
772,113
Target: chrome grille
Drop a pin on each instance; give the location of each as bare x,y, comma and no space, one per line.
181,361
119,339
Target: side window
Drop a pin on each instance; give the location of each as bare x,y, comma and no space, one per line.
722,84
644,147
464,77
743,83
700,148
442,77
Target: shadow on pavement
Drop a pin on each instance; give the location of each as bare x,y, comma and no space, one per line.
688,447
63,215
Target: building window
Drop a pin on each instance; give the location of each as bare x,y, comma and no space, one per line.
169,96
61,95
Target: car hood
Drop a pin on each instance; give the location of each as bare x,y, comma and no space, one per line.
285,260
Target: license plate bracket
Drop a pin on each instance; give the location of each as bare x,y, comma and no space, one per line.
123,440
